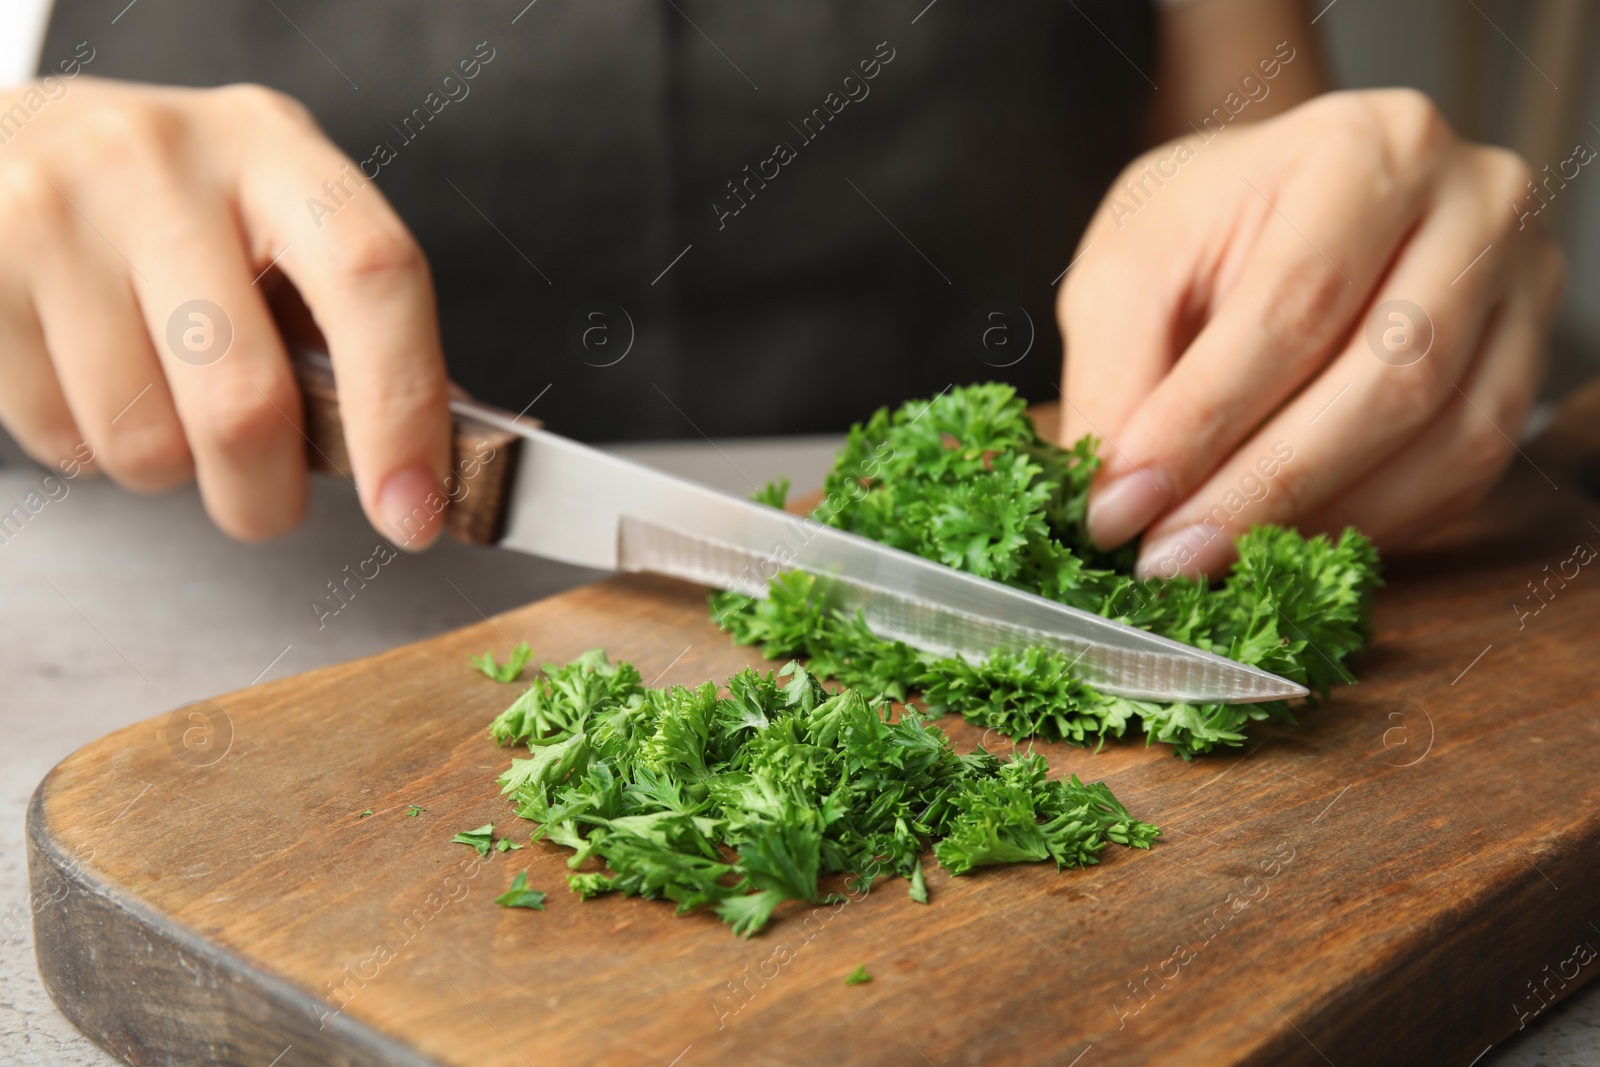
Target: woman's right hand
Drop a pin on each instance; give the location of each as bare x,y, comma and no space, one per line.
139,227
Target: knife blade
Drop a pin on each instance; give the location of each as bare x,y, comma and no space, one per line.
518,486
576,504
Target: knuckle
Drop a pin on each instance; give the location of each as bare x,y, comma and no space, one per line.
1306,296
130,129
1342,117
1207,420
1409,394
1295,502
1509,175
1347,109
29,202
1415,124
410,394
1506,184
147,456
1386,134
241,421
266,103
1291,490
378,250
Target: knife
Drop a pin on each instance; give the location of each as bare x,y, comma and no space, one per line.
515,485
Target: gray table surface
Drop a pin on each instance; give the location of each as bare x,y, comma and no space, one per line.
120,607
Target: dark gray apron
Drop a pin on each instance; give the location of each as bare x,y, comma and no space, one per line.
850,243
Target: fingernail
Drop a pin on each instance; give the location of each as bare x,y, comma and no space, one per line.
412,506
1127,505
1194,550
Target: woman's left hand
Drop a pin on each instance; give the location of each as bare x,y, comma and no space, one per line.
1333,317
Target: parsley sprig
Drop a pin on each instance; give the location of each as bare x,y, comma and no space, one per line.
741,799
520,896
479,839
506,672
966,479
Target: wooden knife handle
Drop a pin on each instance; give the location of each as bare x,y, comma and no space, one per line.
483,459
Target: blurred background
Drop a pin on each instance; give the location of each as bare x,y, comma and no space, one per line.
1510,72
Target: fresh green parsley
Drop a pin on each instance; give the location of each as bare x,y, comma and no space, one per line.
773,494
859,976
742,801
520,896
363,814
506,672
480,839
414,810
505,844
965,479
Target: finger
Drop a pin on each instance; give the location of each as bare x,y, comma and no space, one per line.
367,284
217,346
1370,400
229,374
99,347
1295,273
1118,309
1447,470
32,405
1129,304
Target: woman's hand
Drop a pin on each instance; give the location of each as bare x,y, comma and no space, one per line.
1334,317
138,229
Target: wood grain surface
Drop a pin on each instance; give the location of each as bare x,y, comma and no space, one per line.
1406,877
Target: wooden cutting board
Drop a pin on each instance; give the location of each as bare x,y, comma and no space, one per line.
1408,876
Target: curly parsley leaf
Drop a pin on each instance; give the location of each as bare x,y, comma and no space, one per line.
520,896
965,479
506,672
742,798
773,494
480,839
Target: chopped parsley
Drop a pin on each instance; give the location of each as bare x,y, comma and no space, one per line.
505,844
414,810
965,479
519,895
480,839
506,672
859,976
743,798
363,814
